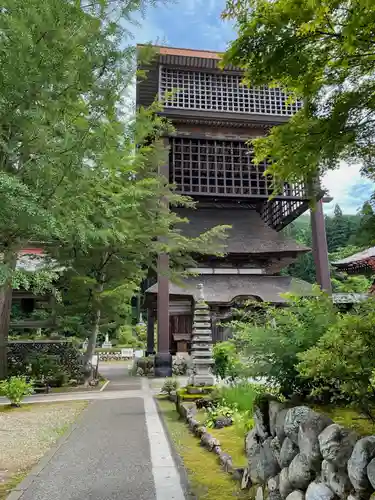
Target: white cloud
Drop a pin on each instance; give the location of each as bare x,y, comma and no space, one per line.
347,187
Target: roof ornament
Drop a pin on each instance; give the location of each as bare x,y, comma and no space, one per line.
200,292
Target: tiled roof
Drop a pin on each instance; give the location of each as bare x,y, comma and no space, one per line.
223,289
248,235
357,258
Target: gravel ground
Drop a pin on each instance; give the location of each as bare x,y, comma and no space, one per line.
27,433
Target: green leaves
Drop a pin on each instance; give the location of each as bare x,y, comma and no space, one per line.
343,358
322,52
272,337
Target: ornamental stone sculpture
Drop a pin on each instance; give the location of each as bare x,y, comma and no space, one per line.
201,349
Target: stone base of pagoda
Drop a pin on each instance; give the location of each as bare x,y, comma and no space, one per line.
200,379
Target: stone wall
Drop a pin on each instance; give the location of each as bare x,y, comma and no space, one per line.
295,453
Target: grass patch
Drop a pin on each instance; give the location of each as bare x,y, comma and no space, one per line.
231,443
10,484
350,418
231,440
207,480
29,406
242,395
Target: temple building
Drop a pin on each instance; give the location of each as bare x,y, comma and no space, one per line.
211,160
27,303
359,263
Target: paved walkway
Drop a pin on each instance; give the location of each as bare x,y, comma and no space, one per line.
117,450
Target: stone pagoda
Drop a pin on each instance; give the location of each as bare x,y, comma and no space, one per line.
201,349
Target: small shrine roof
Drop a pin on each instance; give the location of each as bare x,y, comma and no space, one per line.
224,289
249,234
360,261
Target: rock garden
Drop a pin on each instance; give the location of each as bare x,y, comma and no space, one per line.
290,415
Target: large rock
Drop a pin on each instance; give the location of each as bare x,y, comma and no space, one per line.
296,495
273,483
371,472
273,488
285,486
275,447
336,444
252,444
221,422
262,463
293,419
279,426
259,423
336,478
274,409
300,473
308,442
319,491
363,453
259,495
274,495
288,451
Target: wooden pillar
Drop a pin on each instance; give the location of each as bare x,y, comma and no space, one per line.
320,249
163,358
150,332
163,303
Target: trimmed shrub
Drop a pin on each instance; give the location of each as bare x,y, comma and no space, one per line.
170,385
15,389
342,362
143,367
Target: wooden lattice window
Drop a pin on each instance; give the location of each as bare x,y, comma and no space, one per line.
221,92
216,167
279,213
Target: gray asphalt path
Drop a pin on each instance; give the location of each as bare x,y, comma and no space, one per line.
107,457
117,450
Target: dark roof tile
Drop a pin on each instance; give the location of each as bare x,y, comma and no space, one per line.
223,289
248,235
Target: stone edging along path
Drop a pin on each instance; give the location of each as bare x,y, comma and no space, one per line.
187,411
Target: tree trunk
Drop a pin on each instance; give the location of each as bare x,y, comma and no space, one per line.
9,259
93,336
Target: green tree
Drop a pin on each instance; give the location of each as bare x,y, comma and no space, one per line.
59,105
272,337
132,222
344,358
304,267
341,230
322,52
364,237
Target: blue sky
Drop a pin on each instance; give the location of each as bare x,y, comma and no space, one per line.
196,24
